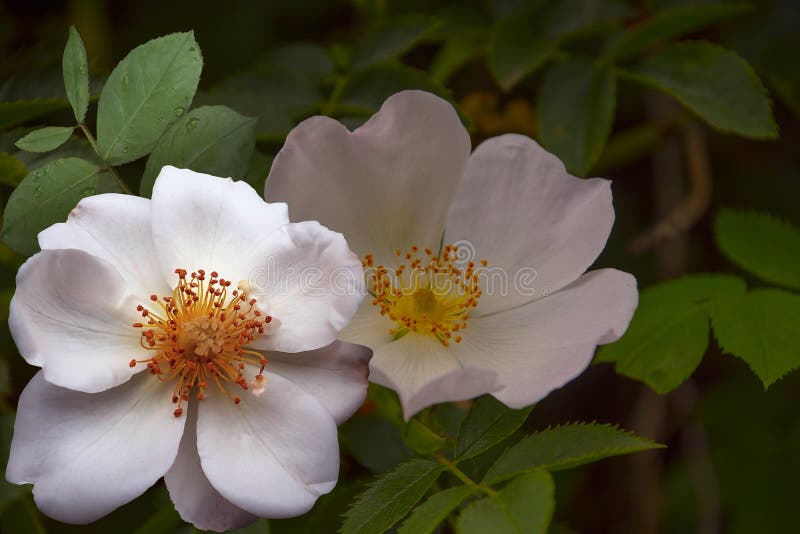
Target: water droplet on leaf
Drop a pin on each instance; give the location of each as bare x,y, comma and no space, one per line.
192,124
86,191
179,111
83,69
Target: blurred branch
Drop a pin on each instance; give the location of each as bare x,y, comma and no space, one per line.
687,212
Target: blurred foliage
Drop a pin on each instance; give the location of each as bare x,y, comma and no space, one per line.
580,76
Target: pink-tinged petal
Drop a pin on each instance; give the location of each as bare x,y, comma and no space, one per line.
310,281
273,454
72,315
115,228
424,372
204,222
336,375
538,227
194,497
87,454
386,185
541,346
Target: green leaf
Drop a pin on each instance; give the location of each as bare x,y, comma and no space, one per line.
669,332
22,516
284,87
715,83
45,139
165,521
671,23
529,37
761,244
12,170
390,497
576,109
565,447
427,516
392,38
22,111
762,328
422,439
456,52
211,139
374,442
488,423
366,90
524,506
45,197
75,67
146,92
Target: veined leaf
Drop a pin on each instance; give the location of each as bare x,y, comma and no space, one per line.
45,197
45,139
576,109
75,67
146,92
715,83
668,335
564,447
524,506
671,23
211,139
762,245
427,516
391,497
391,39
488,423
762,328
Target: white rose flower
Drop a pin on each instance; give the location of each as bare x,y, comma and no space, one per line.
157,325
475,262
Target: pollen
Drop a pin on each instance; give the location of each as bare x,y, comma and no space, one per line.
197,337
426,294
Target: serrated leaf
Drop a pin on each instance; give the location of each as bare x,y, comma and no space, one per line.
565,447
715,83
392,38
390,497
671,23
529,37
761,244
366,90
668,335
45,197
524,506
22,111
576,108
12,170
427,516
211,139
488,423
146,92
284,87
762,328
45,139
75,67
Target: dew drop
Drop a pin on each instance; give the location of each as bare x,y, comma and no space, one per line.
179,111
125,150
192,124
124,80
86,191
38,191
83,69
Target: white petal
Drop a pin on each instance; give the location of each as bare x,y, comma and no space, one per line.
204,222
424,372
272,455
310,281
386,185
194,497
87,454
522,212
115,228
368,327
541,346
336,375
72,316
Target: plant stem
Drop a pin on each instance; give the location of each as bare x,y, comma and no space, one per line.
459,474
114,173
336,95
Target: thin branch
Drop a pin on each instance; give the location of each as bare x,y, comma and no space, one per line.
110,168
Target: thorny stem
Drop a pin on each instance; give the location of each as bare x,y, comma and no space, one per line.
93,143
459,474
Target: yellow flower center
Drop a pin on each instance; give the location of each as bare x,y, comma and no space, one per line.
197,336
426,294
